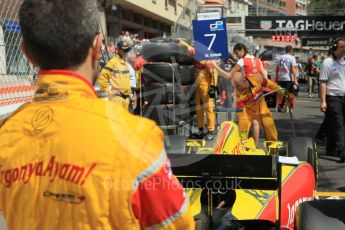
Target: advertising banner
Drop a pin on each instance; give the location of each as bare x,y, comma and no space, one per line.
265,26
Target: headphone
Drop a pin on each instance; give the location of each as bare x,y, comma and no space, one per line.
335,45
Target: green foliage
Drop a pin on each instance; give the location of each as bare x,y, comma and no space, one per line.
326,7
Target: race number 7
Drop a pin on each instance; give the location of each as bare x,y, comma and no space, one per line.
212,40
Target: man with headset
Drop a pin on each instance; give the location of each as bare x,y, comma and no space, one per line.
332,93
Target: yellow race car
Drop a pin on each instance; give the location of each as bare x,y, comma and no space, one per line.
235,185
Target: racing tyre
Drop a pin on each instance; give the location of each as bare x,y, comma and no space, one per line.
163,93
321,215
187,74
161,72
304,148
166,52
168,114
189,92
192,107
185,58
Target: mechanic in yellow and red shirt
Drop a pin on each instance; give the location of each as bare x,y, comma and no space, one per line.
70,160
116,73
249,94
247,64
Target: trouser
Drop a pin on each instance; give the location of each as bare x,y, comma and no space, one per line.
123,101
287,85
204,104
260,112
138,106
311,84
335,114
322,132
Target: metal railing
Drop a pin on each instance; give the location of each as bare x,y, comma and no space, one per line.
16,74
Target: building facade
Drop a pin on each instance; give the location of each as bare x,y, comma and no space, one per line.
301,7
290,7
236,13
278,7
268,7
149,18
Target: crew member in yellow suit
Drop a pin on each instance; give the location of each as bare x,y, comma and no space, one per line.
206,81
68,163
117,74
249,94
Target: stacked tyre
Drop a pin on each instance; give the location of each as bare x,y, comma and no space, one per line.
168,79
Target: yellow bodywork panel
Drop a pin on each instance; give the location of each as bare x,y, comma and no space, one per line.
195,143
250,203
228,140
194,197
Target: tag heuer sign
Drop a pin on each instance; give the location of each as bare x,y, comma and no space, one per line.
305,26
266,25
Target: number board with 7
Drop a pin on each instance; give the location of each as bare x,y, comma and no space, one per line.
210,39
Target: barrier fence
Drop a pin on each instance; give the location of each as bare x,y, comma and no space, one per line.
16,74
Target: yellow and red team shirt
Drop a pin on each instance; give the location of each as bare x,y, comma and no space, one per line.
205,74
72,161
250,65
257,85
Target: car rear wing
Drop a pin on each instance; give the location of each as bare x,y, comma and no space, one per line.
220,171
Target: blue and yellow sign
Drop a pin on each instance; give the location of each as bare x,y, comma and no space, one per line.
210,39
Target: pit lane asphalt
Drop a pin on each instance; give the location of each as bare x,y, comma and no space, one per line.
307,120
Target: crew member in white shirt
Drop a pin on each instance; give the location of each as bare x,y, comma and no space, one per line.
332,93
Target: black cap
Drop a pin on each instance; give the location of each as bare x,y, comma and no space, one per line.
122,45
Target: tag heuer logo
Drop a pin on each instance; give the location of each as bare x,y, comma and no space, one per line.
265,25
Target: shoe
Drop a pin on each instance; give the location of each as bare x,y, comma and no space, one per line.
197,136
279,109
288,109
210,135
